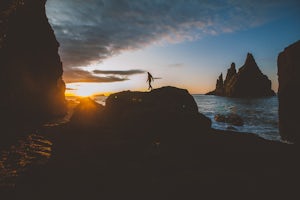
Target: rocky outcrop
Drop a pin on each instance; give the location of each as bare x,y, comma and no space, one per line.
230,118
162,104
219,86
231,72
31,70
289,83
230,80
248,82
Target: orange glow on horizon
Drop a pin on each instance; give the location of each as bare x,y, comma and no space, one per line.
84,94
85,89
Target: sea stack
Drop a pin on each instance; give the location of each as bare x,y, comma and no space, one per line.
248,82
289,99
31,70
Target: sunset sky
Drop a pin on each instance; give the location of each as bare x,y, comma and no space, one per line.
108,45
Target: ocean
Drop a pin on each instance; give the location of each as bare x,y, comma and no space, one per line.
260,115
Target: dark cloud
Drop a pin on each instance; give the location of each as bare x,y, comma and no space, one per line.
77,75
118,72
92,30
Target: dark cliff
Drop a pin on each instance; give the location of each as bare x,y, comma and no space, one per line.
289,83
248,82
31,70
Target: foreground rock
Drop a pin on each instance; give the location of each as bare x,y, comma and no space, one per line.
146,145
288,92
231,118
83,115
249,81
165,103
32,89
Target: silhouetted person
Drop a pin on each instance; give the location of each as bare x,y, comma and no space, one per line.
149,80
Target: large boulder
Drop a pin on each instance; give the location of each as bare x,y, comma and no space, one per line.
248,82
289,83
162,104
31,70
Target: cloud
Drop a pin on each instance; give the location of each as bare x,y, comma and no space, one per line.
118,72
77,75
92,30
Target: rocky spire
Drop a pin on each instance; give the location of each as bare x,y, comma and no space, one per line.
250,64
219,86
231,72
250,59
220,82
248,82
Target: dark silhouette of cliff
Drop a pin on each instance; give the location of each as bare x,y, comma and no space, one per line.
31,82
288,92
249,81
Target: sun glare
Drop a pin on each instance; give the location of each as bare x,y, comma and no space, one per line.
82,89
84,92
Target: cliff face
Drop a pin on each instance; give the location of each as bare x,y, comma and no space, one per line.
248,82
31,69
289,83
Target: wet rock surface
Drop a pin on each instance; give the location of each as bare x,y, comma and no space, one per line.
27,152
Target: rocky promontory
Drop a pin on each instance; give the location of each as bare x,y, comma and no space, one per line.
31,82
289,83
249,81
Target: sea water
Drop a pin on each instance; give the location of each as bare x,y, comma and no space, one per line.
260,115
